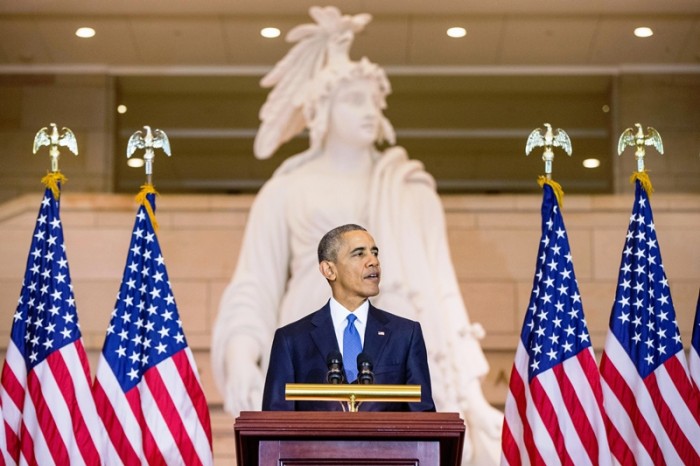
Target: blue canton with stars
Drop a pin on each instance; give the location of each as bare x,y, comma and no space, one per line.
643,318
46,318
554,328
145,328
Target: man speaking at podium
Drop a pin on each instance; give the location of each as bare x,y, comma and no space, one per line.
326,345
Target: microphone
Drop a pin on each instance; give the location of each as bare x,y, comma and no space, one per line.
365,375
336,373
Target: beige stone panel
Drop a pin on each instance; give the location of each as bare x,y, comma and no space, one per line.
493,254
459,220
492,305
524,292
95,301
223,439
685,298
14,250
596,220
495,384
478,203
513,220
24,221
99,202
216,291
9,293
597,299
607,252
183,202
680,251
672,220
116,219
618,203
97,254
237,202
200,254
575,203
203,361
192,304
580,242
527,203
73,219
208,219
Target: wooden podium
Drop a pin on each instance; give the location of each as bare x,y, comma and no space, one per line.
324,438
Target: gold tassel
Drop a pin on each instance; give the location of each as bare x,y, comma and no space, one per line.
51,181
143,200
643,178
558,191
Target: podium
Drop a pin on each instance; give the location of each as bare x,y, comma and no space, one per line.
286,438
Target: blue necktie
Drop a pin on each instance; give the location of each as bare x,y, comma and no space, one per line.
352,346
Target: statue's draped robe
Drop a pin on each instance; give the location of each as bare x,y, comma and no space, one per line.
277,279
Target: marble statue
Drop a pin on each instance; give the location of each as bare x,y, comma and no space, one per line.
342,178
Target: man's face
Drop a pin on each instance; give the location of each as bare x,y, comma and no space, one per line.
356,270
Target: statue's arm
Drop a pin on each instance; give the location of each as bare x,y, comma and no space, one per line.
248,312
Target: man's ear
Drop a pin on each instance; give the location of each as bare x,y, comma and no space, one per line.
327,269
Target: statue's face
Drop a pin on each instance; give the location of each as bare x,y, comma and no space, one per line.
354,115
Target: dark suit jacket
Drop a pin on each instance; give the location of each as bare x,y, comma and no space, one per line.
299,351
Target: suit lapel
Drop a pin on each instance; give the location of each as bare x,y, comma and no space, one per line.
323,335
377,334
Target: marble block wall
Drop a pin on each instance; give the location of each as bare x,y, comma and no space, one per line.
494,241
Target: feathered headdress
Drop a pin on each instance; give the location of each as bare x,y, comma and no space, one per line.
326,43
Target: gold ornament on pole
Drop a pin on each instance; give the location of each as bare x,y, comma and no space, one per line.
53,139
148,140
549,139
637,138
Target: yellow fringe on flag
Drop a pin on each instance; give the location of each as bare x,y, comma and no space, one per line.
141,199
51,181
558,191
643,178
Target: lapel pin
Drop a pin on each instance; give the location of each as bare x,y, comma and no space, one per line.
380,333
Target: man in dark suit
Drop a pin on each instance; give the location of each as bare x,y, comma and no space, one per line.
348,258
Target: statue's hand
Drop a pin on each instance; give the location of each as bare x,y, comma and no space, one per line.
244,379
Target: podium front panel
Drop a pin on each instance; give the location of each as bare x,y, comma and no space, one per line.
348,452
306,438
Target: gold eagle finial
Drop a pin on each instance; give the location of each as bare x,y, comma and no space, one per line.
636,138
53,138
549,139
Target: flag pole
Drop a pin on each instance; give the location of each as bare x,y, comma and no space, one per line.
53,139
46,403
147,388
149,140
553,410
549,139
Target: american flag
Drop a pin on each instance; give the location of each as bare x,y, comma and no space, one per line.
47,405
649,398
147,389
553,411
695,348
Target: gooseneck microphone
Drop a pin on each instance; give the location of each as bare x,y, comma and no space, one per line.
336,373
365,375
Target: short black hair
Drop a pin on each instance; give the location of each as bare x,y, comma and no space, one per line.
330,243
